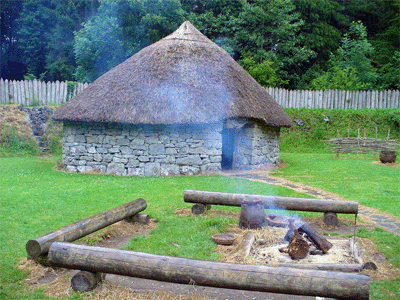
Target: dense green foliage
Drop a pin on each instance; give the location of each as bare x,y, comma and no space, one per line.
313,126
288,43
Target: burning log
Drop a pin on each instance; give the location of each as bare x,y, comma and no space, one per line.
293,233
298,247
72,232
210,273
272,202
321,242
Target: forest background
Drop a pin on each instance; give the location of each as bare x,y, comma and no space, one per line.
295,44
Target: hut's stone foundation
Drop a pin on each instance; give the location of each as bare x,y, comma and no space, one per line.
144,150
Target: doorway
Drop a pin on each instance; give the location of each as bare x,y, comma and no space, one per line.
228,148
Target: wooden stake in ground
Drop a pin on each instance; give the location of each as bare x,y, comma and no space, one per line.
210,273
72,232
85,281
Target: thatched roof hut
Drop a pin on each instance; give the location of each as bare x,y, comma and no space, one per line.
184,78
180,106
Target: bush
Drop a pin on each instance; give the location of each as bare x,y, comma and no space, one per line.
12,144
54,134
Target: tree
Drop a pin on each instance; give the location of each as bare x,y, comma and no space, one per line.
264,73
36,18
350,67
120,29
69,14
269,31
12,66
321,30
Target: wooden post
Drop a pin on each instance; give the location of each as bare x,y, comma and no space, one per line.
72,232
272,202
139,218
85,281
331,219
210,273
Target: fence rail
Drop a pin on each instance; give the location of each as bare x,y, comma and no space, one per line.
35,92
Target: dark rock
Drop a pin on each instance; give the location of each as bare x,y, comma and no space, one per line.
300,122
38,117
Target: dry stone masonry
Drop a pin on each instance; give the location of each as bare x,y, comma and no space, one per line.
148,150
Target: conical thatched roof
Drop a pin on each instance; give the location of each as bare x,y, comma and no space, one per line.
183,78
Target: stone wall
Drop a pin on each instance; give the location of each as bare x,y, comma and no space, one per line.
144,150
257,145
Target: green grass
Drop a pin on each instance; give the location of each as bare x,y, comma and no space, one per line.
386,242
373,185
35,199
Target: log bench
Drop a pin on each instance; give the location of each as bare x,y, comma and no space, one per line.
204,199
284,280
40,246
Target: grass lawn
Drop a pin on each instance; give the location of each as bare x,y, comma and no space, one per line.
35,199
370,184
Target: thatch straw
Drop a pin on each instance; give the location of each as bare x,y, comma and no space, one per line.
184,78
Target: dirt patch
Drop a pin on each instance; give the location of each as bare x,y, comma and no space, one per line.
11,116
265,251
393,164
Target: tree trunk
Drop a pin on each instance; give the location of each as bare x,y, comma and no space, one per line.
272,202
72,232
210,273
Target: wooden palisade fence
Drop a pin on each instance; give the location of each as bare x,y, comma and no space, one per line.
336,99
35,92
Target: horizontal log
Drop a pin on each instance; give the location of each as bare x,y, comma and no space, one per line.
272,202
209,273
74,231
323,267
